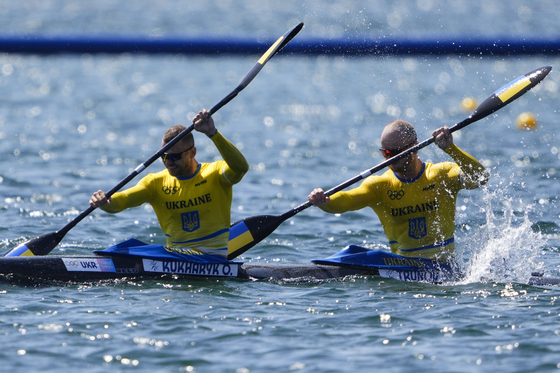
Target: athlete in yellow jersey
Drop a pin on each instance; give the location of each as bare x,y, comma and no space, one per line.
415,201
192,200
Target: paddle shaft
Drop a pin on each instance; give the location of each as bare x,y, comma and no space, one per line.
159,153
275,48
246,80
375,169
487,107
252,230
44,244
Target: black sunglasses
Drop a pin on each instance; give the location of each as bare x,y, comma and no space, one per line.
174,157
393,152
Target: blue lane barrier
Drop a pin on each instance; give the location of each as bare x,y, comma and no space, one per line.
486,46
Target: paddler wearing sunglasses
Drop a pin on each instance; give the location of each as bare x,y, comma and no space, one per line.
192,200
414,200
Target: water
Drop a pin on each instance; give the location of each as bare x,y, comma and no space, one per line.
70,125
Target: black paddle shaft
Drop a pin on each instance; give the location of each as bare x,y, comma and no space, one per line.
275,48
44,244
262,226
496,101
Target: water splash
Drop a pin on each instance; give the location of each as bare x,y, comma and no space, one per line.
505,248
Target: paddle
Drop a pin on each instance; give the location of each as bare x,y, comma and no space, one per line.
45,243
246,233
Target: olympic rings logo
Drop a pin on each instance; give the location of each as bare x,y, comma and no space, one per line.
395,195
72,263
168,190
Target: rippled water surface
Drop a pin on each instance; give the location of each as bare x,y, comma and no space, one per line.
72,124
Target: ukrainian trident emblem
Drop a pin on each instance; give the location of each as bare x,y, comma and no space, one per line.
190,221
417,228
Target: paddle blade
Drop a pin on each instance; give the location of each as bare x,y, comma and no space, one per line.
274,48
41,245
505,95
280,43
248,232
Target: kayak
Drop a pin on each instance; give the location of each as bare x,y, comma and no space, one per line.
95,268
72,268
136,259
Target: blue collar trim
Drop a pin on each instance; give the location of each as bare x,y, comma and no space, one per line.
193,175
416,178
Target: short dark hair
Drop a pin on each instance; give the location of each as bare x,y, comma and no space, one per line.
405,128
172,132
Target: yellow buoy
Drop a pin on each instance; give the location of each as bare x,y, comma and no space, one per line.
469,104
526,121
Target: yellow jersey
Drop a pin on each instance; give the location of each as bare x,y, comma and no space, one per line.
193,212
418,216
